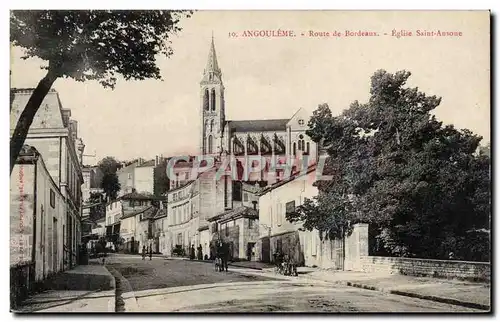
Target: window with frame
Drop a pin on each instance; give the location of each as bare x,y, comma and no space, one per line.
52,198
250,223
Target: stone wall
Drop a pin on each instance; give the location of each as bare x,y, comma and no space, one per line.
358,259
427,267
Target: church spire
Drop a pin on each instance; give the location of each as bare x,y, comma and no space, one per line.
212,65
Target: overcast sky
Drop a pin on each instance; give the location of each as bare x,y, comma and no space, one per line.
272,78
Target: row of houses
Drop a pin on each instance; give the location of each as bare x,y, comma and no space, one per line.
246,210
45,193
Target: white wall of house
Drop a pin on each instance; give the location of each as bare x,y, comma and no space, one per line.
50,219
272,221
144,179
114,211
127,228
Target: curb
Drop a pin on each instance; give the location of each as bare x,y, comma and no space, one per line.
125,297
442,300
112,302
421,296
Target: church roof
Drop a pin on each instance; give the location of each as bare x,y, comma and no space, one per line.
258,125
212,64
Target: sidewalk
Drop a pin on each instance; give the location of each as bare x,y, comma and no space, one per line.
467,294
450,291
85,288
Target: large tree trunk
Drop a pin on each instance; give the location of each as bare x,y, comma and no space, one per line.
27,116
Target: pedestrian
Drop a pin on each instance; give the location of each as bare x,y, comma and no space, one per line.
150,252
200,252
192,253
225,256
143,252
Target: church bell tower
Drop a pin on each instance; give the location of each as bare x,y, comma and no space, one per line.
212,105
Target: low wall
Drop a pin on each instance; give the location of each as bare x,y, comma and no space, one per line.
427,267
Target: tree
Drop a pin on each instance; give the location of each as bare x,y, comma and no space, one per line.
108,165
161,182
98,206
89,45
420,185
110,185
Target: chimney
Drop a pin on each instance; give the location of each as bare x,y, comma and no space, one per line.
156,161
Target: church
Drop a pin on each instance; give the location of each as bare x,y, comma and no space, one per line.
207,207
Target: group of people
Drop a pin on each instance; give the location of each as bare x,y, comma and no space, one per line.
192,254
221,256
145,252
285,264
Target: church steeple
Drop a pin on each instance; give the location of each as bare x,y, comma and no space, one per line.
212,72
212,105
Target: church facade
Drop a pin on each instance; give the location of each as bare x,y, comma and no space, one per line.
227,206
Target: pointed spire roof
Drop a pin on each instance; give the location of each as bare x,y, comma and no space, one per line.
212,66
212,58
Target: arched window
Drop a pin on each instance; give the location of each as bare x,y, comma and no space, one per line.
307,147
294,148
210,144
211,125
205,99
212,97
301,145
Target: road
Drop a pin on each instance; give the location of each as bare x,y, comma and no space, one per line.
163,285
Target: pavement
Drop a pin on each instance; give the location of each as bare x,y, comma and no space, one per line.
450,291
129,284
180,285
85,288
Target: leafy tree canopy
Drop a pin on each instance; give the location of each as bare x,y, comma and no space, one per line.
110,185
420,184
96,44
108,165
89,45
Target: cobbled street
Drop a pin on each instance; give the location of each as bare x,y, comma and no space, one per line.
175,285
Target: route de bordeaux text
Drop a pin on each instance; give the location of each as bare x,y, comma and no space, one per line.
347,33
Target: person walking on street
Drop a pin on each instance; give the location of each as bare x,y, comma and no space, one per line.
143,252
191,253
200,252
150,252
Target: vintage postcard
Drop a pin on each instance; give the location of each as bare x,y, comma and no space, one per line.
250,161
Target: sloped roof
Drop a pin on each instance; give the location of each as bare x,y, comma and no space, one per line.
148,212
137,196
258,125
150,163
242,211
160,213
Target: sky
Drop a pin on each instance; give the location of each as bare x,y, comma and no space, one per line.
274,77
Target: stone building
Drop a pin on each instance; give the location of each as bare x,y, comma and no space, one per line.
146,177
37,216
54,135
130,205
210,201
276,233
